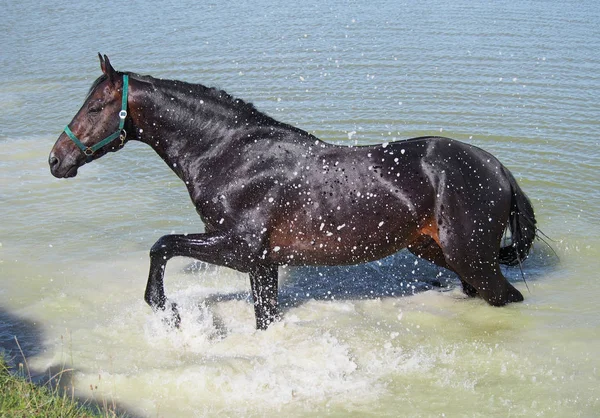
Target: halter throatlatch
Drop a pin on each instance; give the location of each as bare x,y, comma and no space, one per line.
120,133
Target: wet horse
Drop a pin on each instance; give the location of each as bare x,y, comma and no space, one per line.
271,194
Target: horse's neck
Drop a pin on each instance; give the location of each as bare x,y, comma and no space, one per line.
184,135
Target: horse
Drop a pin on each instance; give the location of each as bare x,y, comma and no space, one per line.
271,194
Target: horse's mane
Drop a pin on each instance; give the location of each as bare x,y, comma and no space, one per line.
223,106
199,91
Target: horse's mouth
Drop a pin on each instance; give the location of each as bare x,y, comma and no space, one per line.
60,174
72,172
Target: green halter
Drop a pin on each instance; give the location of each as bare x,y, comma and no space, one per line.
121,133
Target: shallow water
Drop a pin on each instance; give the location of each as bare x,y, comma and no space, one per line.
518,79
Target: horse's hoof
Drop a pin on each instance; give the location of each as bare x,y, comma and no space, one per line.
513,295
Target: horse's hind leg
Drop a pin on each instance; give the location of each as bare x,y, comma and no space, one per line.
426,247
482,272
469,232
491,284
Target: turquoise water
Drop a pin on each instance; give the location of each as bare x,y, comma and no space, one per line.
518,79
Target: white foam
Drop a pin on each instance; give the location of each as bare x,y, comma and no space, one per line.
233,367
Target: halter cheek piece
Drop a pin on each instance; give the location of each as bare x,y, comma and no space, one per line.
120,133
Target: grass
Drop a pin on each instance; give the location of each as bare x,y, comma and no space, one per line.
20,397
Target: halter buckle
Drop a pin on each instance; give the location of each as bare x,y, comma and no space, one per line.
122,137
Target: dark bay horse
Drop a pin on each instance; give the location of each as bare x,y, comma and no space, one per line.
271,194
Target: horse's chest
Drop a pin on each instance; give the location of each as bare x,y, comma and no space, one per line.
214,210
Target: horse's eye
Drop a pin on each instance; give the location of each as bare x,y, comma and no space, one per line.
95,107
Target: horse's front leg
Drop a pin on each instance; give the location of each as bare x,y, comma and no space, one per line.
263,280
215,248
155,291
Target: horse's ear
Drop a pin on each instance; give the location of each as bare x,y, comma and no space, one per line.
107,68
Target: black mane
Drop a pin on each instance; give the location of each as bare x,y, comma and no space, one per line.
195,92
226,106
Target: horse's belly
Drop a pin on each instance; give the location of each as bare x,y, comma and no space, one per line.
340,244
351,220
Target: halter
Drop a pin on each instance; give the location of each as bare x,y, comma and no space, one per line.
120,133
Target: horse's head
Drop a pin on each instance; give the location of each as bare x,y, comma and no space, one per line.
97,128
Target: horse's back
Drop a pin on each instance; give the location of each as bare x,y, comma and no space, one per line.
448,160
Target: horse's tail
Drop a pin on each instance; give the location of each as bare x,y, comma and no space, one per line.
521,223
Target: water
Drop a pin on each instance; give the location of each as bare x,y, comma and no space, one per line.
518,79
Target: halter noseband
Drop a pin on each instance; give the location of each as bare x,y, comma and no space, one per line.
120,133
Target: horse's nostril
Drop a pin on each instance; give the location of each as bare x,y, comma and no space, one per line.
53,161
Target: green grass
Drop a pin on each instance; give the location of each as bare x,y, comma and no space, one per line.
19,397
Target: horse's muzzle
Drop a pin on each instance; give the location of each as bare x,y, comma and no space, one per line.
59,170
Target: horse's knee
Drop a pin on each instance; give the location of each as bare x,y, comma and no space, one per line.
160,247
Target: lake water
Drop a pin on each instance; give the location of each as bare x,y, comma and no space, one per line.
520,79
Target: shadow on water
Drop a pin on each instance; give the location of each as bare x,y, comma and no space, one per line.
400,275
21,339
